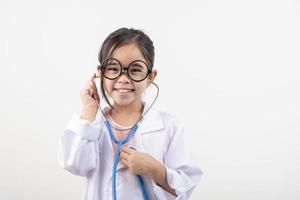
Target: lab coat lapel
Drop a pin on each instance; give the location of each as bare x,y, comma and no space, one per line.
107,150
152,122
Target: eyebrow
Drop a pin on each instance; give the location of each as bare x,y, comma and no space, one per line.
129,62
137,65
113,62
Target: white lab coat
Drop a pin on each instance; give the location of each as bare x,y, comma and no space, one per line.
85,149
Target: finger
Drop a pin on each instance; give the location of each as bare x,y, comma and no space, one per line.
92,82
96,93
85,91
127,150
95,87
89,85
93,76
124,155
98,73
125,162
91,90
92,85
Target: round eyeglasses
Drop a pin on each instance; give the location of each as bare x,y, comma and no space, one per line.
137,70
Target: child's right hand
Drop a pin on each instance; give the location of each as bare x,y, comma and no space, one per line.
89,94
90,100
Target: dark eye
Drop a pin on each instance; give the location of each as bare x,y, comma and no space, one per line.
136,67
135,70
114,69
113,66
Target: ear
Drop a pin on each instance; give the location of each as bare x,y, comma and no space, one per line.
152,77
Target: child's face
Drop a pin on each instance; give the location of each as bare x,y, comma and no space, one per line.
123,90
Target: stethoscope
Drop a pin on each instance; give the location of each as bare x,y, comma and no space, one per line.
119,144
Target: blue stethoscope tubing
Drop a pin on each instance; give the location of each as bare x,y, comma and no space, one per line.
119,144
116,159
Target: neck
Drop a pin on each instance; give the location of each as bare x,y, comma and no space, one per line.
127,115
134,107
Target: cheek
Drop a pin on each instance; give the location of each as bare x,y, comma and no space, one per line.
140,88
108,85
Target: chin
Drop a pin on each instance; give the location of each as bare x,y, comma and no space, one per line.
123,102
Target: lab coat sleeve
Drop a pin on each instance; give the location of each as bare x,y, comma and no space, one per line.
78,146
182,172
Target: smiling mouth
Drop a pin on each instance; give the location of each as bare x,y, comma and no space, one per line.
124,91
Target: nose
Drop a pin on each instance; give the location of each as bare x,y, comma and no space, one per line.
124,78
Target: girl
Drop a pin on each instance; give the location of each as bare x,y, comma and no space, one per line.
127,150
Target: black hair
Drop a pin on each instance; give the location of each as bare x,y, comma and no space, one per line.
124,36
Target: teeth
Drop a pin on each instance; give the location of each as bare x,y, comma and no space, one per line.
123,90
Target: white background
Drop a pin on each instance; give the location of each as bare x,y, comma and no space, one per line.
228,69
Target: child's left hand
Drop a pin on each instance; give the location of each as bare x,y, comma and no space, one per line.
144,164
137,162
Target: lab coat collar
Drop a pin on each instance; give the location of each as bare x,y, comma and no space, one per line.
152,121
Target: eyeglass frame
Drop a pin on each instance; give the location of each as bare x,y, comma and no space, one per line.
123,68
